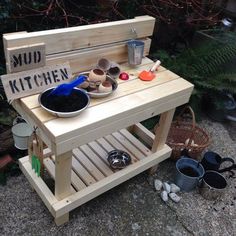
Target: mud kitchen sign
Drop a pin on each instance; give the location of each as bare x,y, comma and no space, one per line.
30,82
26,57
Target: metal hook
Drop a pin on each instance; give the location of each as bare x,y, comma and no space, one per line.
134,32
35,134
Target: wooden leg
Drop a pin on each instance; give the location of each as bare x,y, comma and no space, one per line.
62,219
162,133
63,165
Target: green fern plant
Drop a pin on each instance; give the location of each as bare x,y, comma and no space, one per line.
217,56
205,67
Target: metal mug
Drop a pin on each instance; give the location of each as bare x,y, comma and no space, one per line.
183,179
135,52
213,161
212,185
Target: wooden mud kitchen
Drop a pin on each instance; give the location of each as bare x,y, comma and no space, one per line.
73,151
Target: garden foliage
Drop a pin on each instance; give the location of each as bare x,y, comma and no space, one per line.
206,67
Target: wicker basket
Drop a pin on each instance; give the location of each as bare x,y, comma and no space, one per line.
181,135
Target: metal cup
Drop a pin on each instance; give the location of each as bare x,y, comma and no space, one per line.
186,182
135,52
213,161
212,185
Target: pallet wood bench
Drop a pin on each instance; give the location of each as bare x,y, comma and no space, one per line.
78,146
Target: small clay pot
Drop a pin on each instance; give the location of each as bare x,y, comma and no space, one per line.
97,75
103,64
93,85
105,87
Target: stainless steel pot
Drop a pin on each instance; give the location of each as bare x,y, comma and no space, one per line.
212,185
80,92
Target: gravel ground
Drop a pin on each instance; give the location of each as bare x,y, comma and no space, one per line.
231,127
132,208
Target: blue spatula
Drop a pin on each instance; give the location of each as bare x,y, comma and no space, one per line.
66,88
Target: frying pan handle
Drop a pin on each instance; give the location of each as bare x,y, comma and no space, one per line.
158,63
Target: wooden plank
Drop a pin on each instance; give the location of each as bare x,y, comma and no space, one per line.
91,168
128,145
107,146
163,130
63,175
77,183
34,81
162,133
50,166
146,135
5,44
82,172
134,85
117,145
38,184
117,109
62,219
42,115
99,163
126,67
24,159
96,133
104,185
47,152
32,101
66,39
124,89
86,59
101,152
26,57
140,146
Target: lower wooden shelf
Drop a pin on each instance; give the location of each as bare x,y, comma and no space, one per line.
91,174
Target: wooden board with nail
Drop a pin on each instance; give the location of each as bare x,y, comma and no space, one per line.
26,57
30,82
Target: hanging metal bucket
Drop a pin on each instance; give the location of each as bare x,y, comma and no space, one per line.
135,52
21,131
